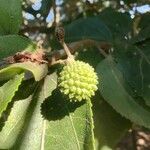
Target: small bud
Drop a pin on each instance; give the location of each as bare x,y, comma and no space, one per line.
60,34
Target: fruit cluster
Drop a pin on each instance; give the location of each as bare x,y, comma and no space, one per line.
78,80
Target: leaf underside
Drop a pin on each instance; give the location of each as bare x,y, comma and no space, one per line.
112,89
38,70
110,126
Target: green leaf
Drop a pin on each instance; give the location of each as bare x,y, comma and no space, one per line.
143,35
112,88
110,126
120,24
144,21
8,91
135,66
85,55
11,44
38,70
14,123
10,16
89,28
25,127
143,28
144,67
70,124
55,125
129,1
92,28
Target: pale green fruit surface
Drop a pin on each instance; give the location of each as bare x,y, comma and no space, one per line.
78,80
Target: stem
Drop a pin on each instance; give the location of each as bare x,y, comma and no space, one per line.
66,49
75,46
101,51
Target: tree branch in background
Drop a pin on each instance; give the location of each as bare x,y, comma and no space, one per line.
54,11
40,56
56,55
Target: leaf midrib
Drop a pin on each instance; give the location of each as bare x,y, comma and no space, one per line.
74,131
44,121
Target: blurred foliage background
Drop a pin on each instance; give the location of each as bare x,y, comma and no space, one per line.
42,16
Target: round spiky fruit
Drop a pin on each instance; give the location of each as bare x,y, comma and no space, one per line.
78,80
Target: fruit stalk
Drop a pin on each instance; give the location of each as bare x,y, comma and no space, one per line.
60,34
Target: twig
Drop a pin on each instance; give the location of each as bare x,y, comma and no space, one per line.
101,50
66,49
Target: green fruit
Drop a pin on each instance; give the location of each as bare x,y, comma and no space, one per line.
78,80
